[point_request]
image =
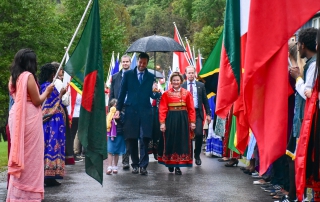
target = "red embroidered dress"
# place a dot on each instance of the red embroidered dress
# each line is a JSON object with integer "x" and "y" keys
{"x": 176, "y": 110}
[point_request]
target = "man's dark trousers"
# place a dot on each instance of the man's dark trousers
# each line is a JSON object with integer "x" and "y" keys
{"x": 198, "y": 134}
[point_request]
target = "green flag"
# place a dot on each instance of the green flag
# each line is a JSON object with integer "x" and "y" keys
{"x": 85, "y": 66}
{"x": 210, "y": 71}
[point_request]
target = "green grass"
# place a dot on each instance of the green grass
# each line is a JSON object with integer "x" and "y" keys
{"x": 3, "y": 156}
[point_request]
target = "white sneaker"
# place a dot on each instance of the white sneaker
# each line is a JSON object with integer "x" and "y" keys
{"x": 109, "y": 170}
{"x": 115, "y": 169}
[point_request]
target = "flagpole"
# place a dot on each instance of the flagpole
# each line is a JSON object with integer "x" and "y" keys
{"x": 181, "y": 42}
{"x": 200, "y": 59}
{"x": 194, "y": 55}
{"x": 72, "y": 39}
{"x": 180, "y": 39}
{"x": 110, "y": 67}
{"x": 190, "y": 58}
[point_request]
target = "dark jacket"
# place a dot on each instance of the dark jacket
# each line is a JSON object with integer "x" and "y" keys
{"x": 202, "y": 98}
{"x": 115, "y": 85}
{"x": 136, "y": 99}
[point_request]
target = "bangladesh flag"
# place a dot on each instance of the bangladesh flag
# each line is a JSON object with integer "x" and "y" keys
{"x": 85, "y": 66}
{"x": 210, "y": 70}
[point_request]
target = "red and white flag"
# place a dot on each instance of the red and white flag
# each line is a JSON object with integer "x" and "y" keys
{"x": 180, "y": 61}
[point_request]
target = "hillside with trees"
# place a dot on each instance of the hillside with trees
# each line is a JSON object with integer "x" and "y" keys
{"x": 47, "y": 26}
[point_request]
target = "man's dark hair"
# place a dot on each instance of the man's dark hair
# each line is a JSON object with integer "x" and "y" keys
{"x": 308, "y": 38}
{"x": 144, "y": 55}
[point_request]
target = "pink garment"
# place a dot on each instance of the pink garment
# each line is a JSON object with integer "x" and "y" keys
{"x": 26, "y": 164}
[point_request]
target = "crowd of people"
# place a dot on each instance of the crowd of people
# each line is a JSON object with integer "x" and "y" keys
{"x": 141, "y": 120}
{"x": 290, "y": 176}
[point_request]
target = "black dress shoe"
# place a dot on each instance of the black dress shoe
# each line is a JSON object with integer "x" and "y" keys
{"x": 143, "y": 171}
{"x": 125, "y": 166}
{"x": 232, "y": 162}
{"x": 198, "y": 161}
{"x": 135, "y": 170}
{"x": 51, "y": 182}
{"x": 178, "y": 171}
{"x": 249, "y": 172}
{"x": 171, "y": 169}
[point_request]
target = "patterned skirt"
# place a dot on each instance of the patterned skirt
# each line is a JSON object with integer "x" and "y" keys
{"x": 54, "y": 150}
{"x": 175, "y": 145}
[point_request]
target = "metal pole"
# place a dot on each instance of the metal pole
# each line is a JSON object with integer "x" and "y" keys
{"x": 72, "y": 39}
{"x": 154, "y": 68}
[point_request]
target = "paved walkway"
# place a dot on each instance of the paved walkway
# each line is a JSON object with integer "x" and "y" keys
{"x": 211, "y": 181}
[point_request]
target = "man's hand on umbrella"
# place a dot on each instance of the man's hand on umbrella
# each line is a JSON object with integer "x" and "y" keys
{"x": 155, "y": 87}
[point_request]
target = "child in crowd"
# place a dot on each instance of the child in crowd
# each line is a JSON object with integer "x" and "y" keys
{"x": 116, "y": 143}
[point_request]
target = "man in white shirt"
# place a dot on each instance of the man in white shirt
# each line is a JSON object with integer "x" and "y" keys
{"x": 307, "y": 49}
{"x": 200, "y": 100}
{"x": 304, "y": 82}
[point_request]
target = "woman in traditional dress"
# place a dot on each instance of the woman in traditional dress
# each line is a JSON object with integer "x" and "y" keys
{"x": 25, "y": 164}
{"x": 177, "y": 120}
{"x": 54, "y": 128}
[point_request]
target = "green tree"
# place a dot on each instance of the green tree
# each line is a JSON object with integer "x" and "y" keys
{"x": 25, "y": 24}
{"x": 208, "y": 12}
{"x": 114, "y": 20}
{"x": 206, "y": 39}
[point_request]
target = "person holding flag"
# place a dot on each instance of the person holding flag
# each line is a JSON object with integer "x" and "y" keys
{"x": 136, "y": 90}
{"x": 53, "y": 127}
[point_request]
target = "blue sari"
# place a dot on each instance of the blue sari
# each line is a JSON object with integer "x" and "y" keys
{"x": 54, "y": 135}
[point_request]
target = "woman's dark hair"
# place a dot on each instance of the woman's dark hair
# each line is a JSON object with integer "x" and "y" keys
{"x": 176, "y": 74}
{"x": 24, "y": 60}
{"x": 308, "y": 38}
{"x": 46, "y": 72}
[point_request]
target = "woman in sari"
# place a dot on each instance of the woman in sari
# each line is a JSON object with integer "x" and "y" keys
{"x": 25, "y": 164}
{"x": 54, "y": 128}
{"x": 177, "y": 119}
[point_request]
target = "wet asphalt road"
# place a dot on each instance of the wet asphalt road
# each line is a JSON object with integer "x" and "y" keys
{"x": 211, "y": 181}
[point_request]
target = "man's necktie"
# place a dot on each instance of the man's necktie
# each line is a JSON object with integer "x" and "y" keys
{"x": 191, "y": 88}
{"x": 140, "y": 77}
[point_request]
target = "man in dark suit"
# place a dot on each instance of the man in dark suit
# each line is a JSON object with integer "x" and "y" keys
{"x": 114, "y": 93}
{"x": 136, "y": 90}
{"x": 200, "y": 99}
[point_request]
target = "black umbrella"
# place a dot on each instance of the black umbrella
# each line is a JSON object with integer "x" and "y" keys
{"x": 155, "y": 43}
